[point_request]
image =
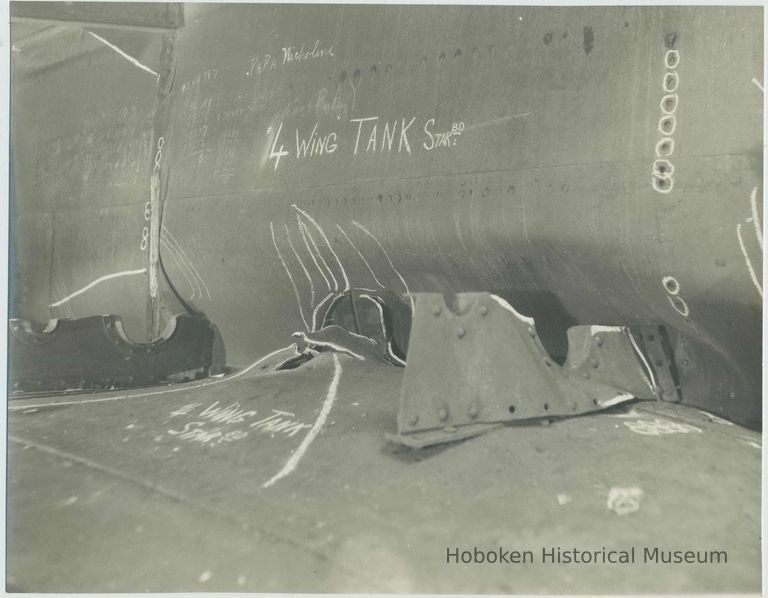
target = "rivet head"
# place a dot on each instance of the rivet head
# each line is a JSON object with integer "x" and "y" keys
{"x": 732, "y": 395}
{"x": 442, "y": 414}
{"x": 594, "y": 363}
{"x": 548, "y": 362}
{"x": 473, "y": 411}
{"x": 483, "y": 310}
{"x": 437, "y": 310}
{"x": 531, "y": 332}
{"x": 586, "y": 374}
{"x": 461, "y": 332}
{"x": 413, "y": 420}
{"x": 685, "y": 362}
{"x": 599, "y": 341}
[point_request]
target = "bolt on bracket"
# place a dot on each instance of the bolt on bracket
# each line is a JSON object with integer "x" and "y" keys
{"x": 481, "y": 364}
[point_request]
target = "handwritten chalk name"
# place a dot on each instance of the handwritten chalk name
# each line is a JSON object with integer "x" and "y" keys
{"x": 261, "y": 64}
{"x": 293, "y": 54}
{"x": 323, "y": 106}
{"x": 371, "y": 134}
{"x": 290, "y": 55}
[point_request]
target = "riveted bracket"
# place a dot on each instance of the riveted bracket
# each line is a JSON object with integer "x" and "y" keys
{"x": 481, "y": 364}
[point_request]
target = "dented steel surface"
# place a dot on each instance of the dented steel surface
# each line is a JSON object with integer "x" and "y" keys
{"x": 474, "y": 362}
{"x": 586, "y": 164}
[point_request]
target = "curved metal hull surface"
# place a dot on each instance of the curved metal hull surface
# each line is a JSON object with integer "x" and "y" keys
{"x": 590, "y": 165}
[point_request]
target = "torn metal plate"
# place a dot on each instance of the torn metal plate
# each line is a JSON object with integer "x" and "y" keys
{"x": 479, "y": 363}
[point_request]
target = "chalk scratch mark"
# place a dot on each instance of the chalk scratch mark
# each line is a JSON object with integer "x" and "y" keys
{"x": 327, "y": 242}
{"x": 525, "y": 228}
{"x": 62, "y": 287}
{"x": 288, "y": 272}
{"x": 183, "y": 268}
{"x": 125, "y": 55}
{"x": 759, "y": 86}
{"x": 457, "y": 226}
{"x": 303, "y": 267}
{"x": 188, "y": 261}
{"x": 370, "y": 234}
{"x": 756, "y": 217}
{"x": 105, "y": 469}
{"x": 752, "y": 274}
{"x": 330, "y": 399}
{"x": 98, "y": 281}
{"x": 362, "y": 257}
{"x": 497, "y": 121}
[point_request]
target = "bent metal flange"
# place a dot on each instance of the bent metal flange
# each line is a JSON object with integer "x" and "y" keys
{"x": 479, "y": 364}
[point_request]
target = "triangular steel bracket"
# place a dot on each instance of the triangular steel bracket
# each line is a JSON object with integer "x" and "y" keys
{"x": 481, "y": 364}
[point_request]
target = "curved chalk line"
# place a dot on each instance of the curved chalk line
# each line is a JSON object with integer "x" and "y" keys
{"x": 752, "y": 274}
{"x": 756, "y": 217}
{"x": 319, "y": 255}
{"x": 370, "y": 234}
{"x": 303, "y": 267}
{"x": 290, "y": 277}
{"x": 327, "y": 242}
{"x": 362, "y": 257}
{"x": 181, "y": 265}
{"x": 330, "y": 399}
{"x": 188, "y": 261}
{"x": 96, "y": 282}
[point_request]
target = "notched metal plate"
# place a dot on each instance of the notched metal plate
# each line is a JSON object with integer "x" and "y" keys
{"x": 479, "y": 362}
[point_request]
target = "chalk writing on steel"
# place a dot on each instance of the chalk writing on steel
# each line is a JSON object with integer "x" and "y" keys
{"x": 213, "y": 424}
{"x": 289, "y": 55}
{"x": 672, "y": 287}
{"x": 368, "y": 135}
{"x": 755, "y": 220}
{"x": 444, "y": 139}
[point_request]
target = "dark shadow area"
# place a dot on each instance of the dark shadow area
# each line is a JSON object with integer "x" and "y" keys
{"x": 552, "y": 319}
